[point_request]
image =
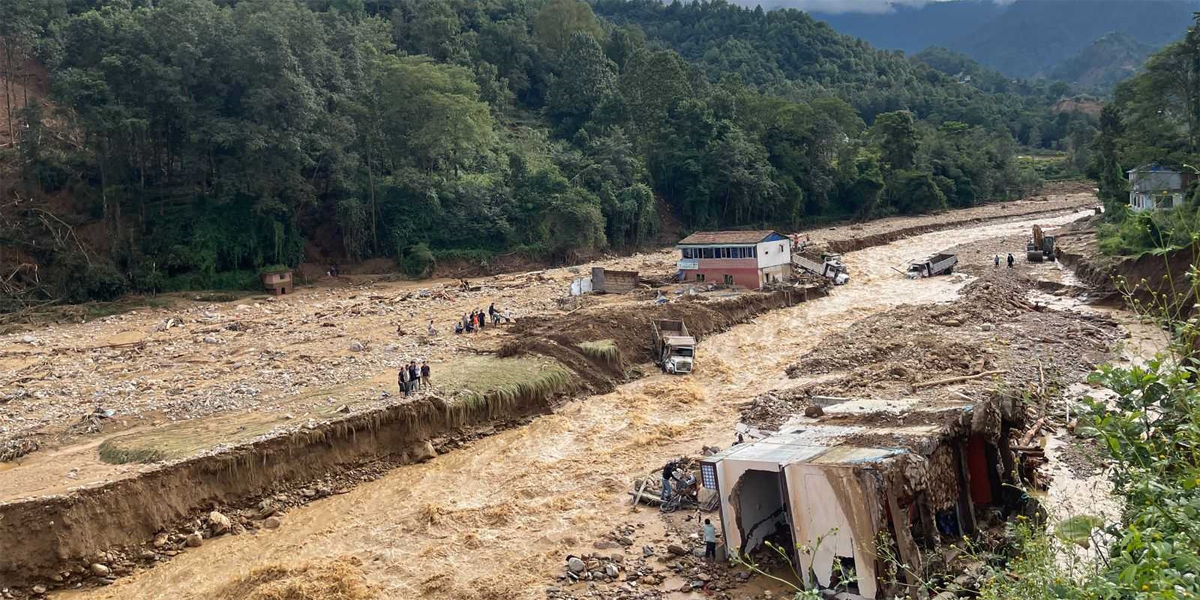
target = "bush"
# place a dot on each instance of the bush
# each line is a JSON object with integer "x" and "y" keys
{"x": 418, "y": 261}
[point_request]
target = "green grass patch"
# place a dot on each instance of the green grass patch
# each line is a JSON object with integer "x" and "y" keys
{"x": 472, "y": 381}
{"x": 601, "y": 350}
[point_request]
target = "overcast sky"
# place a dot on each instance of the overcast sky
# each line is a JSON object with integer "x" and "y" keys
{"x": 838, "y": 6}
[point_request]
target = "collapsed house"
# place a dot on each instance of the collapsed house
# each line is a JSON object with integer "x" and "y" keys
{"x": 830, "y": 490}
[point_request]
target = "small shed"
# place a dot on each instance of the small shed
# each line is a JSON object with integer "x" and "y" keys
{"x": 605, "y": 281}
{"x": 278, "y": 282}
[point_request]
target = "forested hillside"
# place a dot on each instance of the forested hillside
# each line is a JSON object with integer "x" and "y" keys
{"x": 1155, "y": 118}
{"x": 1105, "y": 63}
{"x": 186, "y": 144}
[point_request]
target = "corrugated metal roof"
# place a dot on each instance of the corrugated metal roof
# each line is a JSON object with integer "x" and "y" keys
{"x": 792, "y": 448}
{"x": 704, "y": 238}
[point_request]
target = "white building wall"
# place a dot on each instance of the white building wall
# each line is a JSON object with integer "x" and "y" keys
{"x": 774, "y": 254}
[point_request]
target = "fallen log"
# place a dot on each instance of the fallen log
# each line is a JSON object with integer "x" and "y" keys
{"x": 1028, "y": 437}
{"x": 925, "y": 384}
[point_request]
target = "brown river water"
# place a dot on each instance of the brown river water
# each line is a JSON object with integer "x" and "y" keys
{"x": 496, "y": 519}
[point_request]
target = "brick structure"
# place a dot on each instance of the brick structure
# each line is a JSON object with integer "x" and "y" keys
{"x": 278, "y": 283}
{"x": 748, "y": 259}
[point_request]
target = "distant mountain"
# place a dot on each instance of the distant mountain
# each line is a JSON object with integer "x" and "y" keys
{"x": 1107, "y": 61}
{"x": 913, "y": 29}
{"x": 1030, "y": 38}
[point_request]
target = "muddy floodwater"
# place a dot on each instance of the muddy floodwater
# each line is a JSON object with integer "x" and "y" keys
{"x": 496, "y": 519}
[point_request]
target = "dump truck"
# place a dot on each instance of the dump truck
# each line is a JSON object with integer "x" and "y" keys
{"x": 1040, "y": 247}
{"x": 830, "y": 267}
{"x": 938, "y": 264}
{"x": 674, "y": 347}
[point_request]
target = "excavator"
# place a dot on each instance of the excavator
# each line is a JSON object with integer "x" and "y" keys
{"x": 1040, "y": 247}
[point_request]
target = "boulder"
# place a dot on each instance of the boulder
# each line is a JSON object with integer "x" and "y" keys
{"x": 100, "y": 570}
{"x": 272, "y": 522}
{"x": 220, "y": 523}
{"x": 357, "y": 346}
{"x": 676, "y": 550}
{"x": 576, "y": 565}
{"x": 813, "y": 412}
{"x": 194, "y": 540}
{"x": 611, "y": 570}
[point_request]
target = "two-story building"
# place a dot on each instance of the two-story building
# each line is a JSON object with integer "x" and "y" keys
{"x": 747, "y": 259}
{"x": 1155, "y": 187}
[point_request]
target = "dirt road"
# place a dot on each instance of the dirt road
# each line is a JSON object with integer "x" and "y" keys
{"x": 495, "y": 520}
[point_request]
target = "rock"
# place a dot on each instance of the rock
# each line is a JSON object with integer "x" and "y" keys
{"x": 698, "y": 552}
{"x": 952, "y": 323}
{"x": 987, "y": 327}
{"x": 219, "y": 522}
{"x": 604, "y": 545}
{"x": 266, "y": 508}
{"x": 100, "y": 570}
{"x": 272, "y": 522}
{"x": 705, "y": 577}
{"x": 357, "y": 346}
{"x": 193, "y": 540}
{"x": 576, "y": 565}
{"x": 813, "y": 412}
{"x": 676, "y": 550}
{"x": 424, "y": 451}
{"x": 647, "y": 550}
{"x": 611, "y": 570}
{"x": 28, "y": 339}
{"x": 344, "y": 409}
{"x": 208, "y": 339}
{"x": 39, "y": 589}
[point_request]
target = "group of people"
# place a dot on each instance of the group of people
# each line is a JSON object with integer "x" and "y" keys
{"x": 1011, "y": 260}
{"x": 476, "y": 320}
{"x": 412, "y": 377}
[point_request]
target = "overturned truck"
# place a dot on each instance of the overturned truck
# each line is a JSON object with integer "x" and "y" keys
{"x": 839, "y": 489}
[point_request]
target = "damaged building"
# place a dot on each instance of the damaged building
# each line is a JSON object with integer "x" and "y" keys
{"x": 830, "y": 489}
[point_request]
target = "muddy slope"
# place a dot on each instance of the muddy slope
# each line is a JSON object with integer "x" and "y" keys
{"x": 1157, "y": 281}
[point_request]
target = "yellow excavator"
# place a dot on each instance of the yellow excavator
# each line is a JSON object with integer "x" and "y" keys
{"x": 1040, "y": 247}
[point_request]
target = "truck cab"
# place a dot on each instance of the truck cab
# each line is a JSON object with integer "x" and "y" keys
{"x": 674, "y": 347}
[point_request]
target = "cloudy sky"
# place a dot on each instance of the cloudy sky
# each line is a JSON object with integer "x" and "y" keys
{"x": 838, "y": 6}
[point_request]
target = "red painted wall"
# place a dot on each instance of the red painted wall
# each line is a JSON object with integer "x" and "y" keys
{"x": 977, "y": 463}
{"x": 747, "y": 278}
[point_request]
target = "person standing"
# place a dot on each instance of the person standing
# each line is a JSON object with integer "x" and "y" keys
{"x": 1011, "y": 260}
{"x": 997, "y": 261}
{"x": 668, "y": 470}
{"x": 710, "y": 540}
{"x": 425, "y": 373}
{"x": 402, "y": 380}
{"x": 414, "y": 376}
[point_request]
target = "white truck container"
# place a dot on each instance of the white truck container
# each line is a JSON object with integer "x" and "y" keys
{"x": 938, "y": 264}
{"x": 674, "y": 347}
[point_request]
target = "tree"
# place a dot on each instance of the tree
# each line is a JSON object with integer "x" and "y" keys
{"x": 580, "y": 89}
{"x": 897, "y": 138}
{"x": 559, "y": 20}
{"x": 432, "y": 113}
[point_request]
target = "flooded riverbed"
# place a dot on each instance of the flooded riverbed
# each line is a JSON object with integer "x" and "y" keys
{"x": 496, "y": 519}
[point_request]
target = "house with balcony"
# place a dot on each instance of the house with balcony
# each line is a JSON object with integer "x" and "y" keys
{"x": 1155, "y": 187}
{"x": 748, "y": 259}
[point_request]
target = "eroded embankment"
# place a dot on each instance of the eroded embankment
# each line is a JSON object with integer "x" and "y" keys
{"x": 1155, "y": 281}
{"x": 855, "y": 244}
{"x": 52, "y": 539}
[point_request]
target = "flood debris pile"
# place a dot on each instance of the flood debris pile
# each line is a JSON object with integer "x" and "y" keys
{"x": 993, "y": 330}
{"x": 905, "y": 432}
{"x": 629, "y": 565}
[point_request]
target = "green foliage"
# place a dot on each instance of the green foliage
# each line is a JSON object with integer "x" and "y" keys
{"x": 216, "y": 137}
{"x": 418, "y": 261}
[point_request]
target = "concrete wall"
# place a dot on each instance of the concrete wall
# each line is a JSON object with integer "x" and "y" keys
{"x": 744, "y": 277}
{"x": 1139, "y": 201}
{"x": 833, "y": 516}
{"x": 773, "y": 254}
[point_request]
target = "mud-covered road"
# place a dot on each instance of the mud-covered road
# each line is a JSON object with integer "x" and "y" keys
{"x": 496, "y": 519}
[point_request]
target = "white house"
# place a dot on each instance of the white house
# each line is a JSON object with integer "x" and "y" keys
{"x": 1155, "y": 187}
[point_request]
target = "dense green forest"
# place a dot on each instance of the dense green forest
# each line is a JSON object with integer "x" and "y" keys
{"x": 199, "y": 140}
{"x": 1154, "y": 118}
